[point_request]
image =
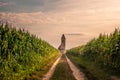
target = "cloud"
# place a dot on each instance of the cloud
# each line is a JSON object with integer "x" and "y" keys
{"x": 32, "y": 18}
{"x": 51, "y": 18}
{"x": 4, "y": 4}
{"x": 21, "y": 6}
{"x": 80, "y": 18}
{"x": 75, "y": 34}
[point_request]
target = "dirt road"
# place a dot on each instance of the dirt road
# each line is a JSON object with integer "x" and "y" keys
{"x": 58, "y": 74}
{"x": 51, "y": 71}
{"x": 76, "y": 72}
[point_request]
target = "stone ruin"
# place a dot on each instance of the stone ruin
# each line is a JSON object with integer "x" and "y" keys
{"x": 63, "y": 44}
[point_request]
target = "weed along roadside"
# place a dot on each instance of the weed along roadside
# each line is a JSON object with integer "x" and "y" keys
{"x": 81, "y": 67}
{"x": 92, "y": 70}
{"x": 46, "y": 72}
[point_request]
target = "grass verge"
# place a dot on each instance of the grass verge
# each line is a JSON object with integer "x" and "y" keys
{"x": 92, "y": 70}
{"x": 39, "y": 74}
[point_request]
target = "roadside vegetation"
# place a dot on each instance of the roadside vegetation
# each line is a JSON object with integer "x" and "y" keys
{"x": 22, "y": 53}
{"x": 100, "y": 56}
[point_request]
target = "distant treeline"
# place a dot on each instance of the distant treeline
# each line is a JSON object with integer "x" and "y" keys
{"x": 104, "y": 50}
{"x": 22, "y": 53}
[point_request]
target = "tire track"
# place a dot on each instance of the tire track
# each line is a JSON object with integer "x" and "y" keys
{"x": 51, "y": 71}
{"x": 76, "y": 72}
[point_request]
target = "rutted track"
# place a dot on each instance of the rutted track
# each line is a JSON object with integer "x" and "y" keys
{"x": 76, "y": 72}
{"x": 57, "y": 74}
{"x": 51, "y": 71}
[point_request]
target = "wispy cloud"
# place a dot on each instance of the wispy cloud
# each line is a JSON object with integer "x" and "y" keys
{"x": 31, "y": 18}
{"x": 3, "y": 4}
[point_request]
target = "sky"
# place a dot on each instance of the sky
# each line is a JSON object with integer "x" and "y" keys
{"x": 79, "y": 20}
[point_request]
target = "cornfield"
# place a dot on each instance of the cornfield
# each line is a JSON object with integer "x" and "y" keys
{"x": 104, "y": 50}
{"x": 22, "y": 53}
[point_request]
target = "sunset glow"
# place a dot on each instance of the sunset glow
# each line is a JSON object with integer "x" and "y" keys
{"x": 49, "y": 19}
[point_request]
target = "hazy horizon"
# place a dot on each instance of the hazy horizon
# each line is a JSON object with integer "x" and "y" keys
{"x": 79, "y": 20}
